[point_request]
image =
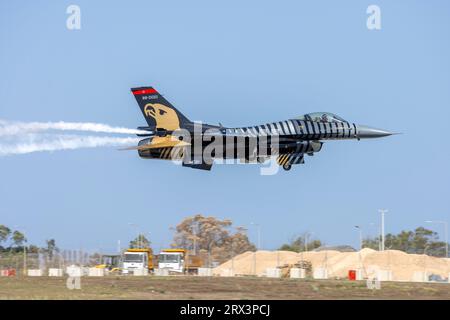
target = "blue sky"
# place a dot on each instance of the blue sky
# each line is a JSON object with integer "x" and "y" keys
{"x": 238, "y": 63}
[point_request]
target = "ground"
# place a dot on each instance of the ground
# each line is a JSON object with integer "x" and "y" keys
{"x": 180, "y": 287}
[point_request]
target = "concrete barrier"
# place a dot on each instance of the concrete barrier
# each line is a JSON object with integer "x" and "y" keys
{"x": 140, "y": 272}
{"x": 74, "y": 271}
{"x": 384, "y": 275}
{"x": 164, "y": 272}
{"x": 320, "y": 273}
{"x": 96, "y": 272}
{"x": 420, "y": 276}
{"x": 55, "y": 272}
{"x": 297, "y": 273}
{"x": 226, "y": 272}
{"x": 273, "y": 273}
{"x": 35, "y": 273}
{"x": 359, "y": 274}
{"x": 205, "y": 272}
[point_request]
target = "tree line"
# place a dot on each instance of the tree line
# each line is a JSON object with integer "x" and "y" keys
{"x": 417, "y": 241}
{"x": 219, "y": 240}
{"x": 215, "y": 239}
{"x": 301, "y": 243}
{"x": 14, "y": 241}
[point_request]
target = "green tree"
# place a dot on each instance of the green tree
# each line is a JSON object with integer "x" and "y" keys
{"x": 372, "y": 243}
{"x": 299, "y": 244}
{"x": 5, "y": 232}
{"x": 415, "y": 241}
{"x": 51, "y": 248}
{"x": 140, "y": 242}
{"x": 33, "y": 249}
{"x": 18, "y": 238}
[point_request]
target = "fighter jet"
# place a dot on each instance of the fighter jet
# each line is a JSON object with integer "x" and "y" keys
{"x": 170, "y": 135}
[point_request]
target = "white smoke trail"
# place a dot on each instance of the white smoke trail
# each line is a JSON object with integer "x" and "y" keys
{"x": 9, "y": 128}
{"x": 35, "y": 143}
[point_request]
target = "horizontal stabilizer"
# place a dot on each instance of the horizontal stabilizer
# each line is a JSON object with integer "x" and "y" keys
{"x": 200, "y": 166}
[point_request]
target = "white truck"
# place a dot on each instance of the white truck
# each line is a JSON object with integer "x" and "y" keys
{"x": 178, "y": 261}
{"x": 137, "y": 259}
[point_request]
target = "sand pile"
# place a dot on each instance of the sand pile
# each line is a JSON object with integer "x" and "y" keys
{"x": 337, "y": 263}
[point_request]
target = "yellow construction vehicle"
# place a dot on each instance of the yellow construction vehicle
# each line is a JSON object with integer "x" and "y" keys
{"x": 110, "y": 262}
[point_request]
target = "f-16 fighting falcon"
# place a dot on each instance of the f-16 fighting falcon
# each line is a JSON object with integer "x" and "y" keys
{"x": 171, "y": 136}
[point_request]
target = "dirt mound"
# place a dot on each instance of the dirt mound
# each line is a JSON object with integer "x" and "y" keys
{"x": 337, "y": 263}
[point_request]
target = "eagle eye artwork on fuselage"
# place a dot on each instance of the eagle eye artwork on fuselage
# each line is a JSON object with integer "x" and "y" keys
{"x": 288, "y": 140}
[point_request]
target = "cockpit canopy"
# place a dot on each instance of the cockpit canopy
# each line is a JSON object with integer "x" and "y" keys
{"x": 321, "y": 117}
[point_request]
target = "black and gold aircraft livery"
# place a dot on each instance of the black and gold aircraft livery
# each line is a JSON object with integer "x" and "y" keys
{"x": 293, "y": 138}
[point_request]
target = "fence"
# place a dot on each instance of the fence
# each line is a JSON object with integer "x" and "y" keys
{"x": 43, "y": 260}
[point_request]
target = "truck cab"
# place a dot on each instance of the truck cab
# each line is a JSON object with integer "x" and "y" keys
{"x": 137, "y": 259}
{"x": 179, "y": 261}
{"x": 173, "y": 261}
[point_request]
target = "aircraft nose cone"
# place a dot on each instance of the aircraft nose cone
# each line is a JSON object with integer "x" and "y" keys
{"x": 364, "y": 132}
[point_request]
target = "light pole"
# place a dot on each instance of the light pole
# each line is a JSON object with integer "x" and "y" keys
{"x": 149, "y": 242}
{"x": 445, "y": 233}
{"x": 360, "y": 237}
{"x": 306, "y": 242}
{"x": 382, "y": 212}
{"x": 307, "y": 235}
{"x": 24, "y": 259}
{"x": 24, "y": 251}
{"x": 259, "y": 245}
{"x": 369, "y": 233}
{"x": 232, "y": 258}
{"x": 258, "y": 226}
{"x": 194, "y": 241}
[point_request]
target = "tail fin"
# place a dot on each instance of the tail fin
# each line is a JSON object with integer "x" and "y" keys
{"x": 157, "y": 111}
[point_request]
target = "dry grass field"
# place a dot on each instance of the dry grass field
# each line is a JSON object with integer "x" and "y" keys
{"x": 191, "y": 287}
